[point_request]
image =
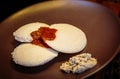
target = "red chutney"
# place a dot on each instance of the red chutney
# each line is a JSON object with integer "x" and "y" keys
{"x": 42, "y": 34}
{"x": 48, "y": 34}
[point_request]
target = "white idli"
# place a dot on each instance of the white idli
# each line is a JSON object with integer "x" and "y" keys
{"x": 23, "y": 34}
{"x": 32, "y": 55}
{"x": 69, "y": 39}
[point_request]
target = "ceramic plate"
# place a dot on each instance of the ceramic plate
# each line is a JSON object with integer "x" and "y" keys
{"x": 99, "y": 24}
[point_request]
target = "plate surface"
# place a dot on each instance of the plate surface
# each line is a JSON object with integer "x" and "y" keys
{"x": 99, "y": 24}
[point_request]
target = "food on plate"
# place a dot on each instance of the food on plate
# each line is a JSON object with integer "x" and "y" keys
{"x": 45, "y": 33}
{"x": 28, "y": 54}
{"x": 69, "y": 39}
{"x": 79, "y": 63}
{"x": 22, "y": 34}
{"x": 44, "y": 43}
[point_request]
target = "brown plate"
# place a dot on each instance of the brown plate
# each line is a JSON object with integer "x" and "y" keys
{"x": 99, "y": 24}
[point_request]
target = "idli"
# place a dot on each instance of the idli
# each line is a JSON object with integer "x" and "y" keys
{"x": 28, "y": 54}
{"x": 23, "y": 34}
{"x": 69, "y": 39}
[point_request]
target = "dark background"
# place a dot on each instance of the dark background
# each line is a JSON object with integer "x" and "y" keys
{"x": 8, "y": 7}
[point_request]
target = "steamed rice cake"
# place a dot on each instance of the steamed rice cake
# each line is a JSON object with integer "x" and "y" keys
{"x": 69, "y": 39}
{"x": 22, "y": 34}
{"x": 28, "y": 54}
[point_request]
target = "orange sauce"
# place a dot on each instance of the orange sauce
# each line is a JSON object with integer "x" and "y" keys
{"x": 42, "y": 34}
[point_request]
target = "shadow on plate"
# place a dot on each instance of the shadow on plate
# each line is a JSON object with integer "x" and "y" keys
{"x": 37, "y": 69}
{"x": 30, "y": 70}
